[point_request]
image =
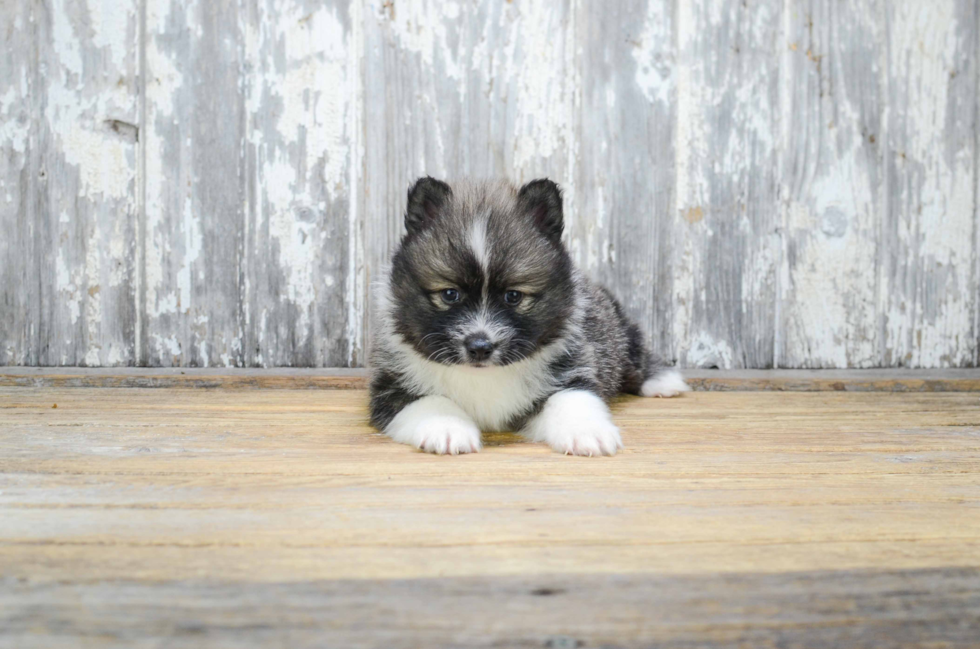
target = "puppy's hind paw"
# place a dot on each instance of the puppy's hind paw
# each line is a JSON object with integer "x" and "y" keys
{"x": 665, "y": 384}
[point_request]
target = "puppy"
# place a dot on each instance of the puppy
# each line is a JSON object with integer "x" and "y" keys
{"x": 484, "y": 324}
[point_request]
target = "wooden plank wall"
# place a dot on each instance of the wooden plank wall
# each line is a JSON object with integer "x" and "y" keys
{"x": 767, "y": 183}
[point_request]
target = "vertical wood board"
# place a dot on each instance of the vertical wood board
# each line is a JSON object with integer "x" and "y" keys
{"x": 831, "y": 181}
{"x": 625, "y": 190}
{"x": 195, "y": 127}
{"x": 85, "y": 171}
{"x": 726, "y": 244}
{"x": 928, "y": 297}
{"x": 300, "y": 110}
{"x": 18, "y": 283}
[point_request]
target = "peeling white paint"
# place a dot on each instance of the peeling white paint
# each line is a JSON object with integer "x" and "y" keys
{"x": 67, "y": 287}
{"x": 164, "y": 83}
{"x": 193, "y": 243}
{"x": 65, "y": 42}
{"x": 117, "y": 355}
{"x": 14, "y": 132}
{"x": 705, "y": 351}
{"x": 831, "y": 315}
{"x": 110, "y": 25}
{"x": 356, "y": 272}
{"x": 168, "y": 345}
{"x": 725, "y": 185}
{"x": 299, "y": 92}
{"x": 76, "y": 114}
{"x": 498, "y": 88}
{"x": 654, "y": 67}
{"x": 420, "y": 26}
{"x": 927, "y": 322}
{"x": 544, "y": 122}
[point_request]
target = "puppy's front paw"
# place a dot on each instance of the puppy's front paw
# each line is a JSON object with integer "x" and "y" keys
{"x": 436, "y": 425}
{"x": 665, "y": 384}
{"x": 585, "y": 437}
{"x": 576, "y": 422}
{"x": 442, "y": 435}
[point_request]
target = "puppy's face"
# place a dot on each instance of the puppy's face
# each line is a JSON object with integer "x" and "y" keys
{"x": 481, "y": 277}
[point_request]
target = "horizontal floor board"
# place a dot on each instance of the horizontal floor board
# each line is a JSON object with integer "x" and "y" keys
{"x": 885, "y": 380}
{"x": 278, "y": 517}
{"x": 821, "y": 609}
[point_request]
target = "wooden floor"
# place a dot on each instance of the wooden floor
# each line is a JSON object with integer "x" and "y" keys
{"x": 277, "y": 518}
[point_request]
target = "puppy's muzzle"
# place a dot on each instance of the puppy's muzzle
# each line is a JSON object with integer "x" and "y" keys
{"x": 478, "y": 348}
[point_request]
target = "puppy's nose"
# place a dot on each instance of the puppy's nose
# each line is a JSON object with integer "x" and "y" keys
{"x": 478, "y": 347}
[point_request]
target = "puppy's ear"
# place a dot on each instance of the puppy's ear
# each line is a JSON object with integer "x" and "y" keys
{"x": 426, "y": 197}
{"x": 542, "y": 200}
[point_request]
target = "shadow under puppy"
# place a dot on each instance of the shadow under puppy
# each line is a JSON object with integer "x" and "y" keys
{"x": 484, "y": 324}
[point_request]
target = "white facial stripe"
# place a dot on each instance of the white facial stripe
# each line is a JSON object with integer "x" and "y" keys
{"x": 481, "y": 250}
{"x": 479, "y": 244}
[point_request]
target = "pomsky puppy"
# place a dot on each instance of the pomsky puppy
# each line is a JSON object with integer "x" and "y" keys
{"x": 484, "y": 324}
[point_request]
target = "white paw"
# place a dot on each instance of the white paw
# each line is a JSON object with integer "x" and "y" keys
{"x": 665, "y": 384}
{"x": 435, "y": 425}
{"x": 576, "y": 422}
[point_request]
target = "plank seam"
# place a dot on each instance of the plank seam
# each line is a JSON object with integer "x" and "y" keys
{"x": 976, "y": 190}
{"x": 245, "y": 69}
{"x": 140, "y": 352}
{"x": 356, "y": 326}
{"x": 883, "y": 203}
{"x": 890, "y": 380}
{"x": 782, "y": 199}
{"x": 33, "y": 356}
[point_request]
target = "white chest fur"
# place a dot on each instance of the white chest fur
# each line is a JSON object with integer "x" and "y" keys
{"x": 492, "y": 396}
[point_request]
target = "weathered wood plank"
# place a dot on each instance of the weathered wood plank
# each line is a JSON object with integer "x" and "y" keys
{"x": 817, "y": 209}
{"x": 295, "y": 485}
{"x": 171, "y": 377}
{"x": 86, "y": 202}
{"x": 832, "y": 609}
{"x": 726, "y": 250}
{"x": 463, "y": 90}
{"x": 901, "y": 380}
{"x": 830, "y": 176}
{"x": 976, "y": 208}
{"x": 927, "y": 241}
{"x": 625, "y": 174}
{"x": 302, "y": 114}
{"x": 18, "y": 282}
{"x": 195, "y": 179}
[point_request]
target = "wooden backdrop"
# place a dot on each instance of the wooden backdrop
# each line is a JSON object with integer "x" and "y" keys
{"x": 764, "y": 183}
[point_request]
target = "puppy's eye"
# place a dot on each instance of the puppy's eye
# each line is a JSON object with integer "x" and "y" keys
{"x": 513, "y": 298}
{"x": 450, "y": 295}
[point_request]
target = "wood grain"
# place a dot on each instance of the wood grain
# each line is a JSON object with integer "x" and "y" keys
{"x": 18, "y": 188}
{"x": 926, "y": 295}
{"x": 350, "y": 379}
{"x": 831, "y": 174}
{"x": 301, "y": 114}
{"x": 85, "y": 101}
{"x": 726, "y": 243}
{"x": 625, "y": 193}
{"x": 134, "y": 517}
{"x": 194, "y": 141}
{"x": 825, "y": 610}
